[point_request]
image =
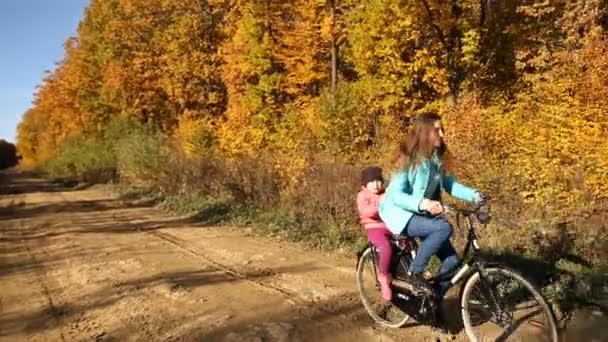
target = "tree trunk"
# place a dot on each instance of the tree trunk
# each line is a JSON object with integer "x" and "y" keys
{"x": 334, "y": 48}
{"x": 454, "y": 49}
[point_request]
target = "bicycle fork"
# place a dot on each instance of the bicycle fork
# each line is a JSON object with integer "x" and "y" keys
{"x": 486, "y": 288}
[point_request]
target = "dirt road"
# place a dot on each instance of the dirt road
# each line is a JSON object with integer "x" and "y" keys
{"x": 82, "y": 265}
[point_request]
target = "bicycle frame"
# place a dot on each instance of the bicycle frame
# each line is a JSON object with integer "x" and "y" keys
{"x": 402, "y": 252}
{"x": 476, "y": 265}
{"x": 463, "y": 268}
{"x": 472, "y": 245}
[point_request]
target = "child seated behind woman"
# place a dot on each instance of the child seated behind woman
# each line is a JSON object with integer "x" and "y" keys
{"x": 368, "y": 201}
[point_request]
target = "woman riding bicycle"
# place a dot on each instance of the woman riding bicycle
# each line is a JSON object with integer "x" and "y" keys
{"x": 496, "y": 302}
{"x": 413, "y": 197}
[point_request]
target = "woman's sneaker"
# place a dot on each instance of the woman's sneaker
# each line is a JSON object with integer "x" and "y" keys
{"x": 385, "y": 287}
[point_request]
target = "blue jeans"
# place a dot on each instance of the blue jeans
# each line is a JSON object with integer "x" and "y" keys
{"x": 435, "y": 234}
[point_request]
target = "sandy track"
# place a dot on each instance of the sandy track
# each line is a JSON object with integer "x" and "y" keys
{"x": 83, "y": 265}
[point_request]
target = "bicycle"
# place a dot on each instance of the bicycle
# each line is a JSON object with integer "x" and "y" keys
{"x": 486, "y": 286}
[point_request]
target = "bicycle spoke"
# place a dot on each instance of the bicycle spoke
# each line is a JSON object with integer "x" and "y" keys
{"x": 384, "y": 312}
{"x": 480, "y": 311}
{"x": 504, "y": 307}
{"x": 512, "y": 327}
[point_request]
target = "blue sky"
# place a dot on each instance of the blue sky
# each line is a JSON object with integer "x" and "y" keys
{"x": 32, "y": 33}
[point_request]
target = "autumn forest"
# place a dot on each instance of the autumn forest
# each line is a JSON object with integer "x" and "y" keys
{"x": 278, "y": 104}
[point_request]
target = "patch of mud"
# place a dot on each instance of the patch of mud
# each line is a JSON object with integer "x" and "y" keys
{"x": 588, "y": 325}
{"x": 255, "y": 257}
{"x": 271, "y": 332}
{"x": 85, "y": 328}
{"x": 172, "y": 291}
{"x": 307, "y": 289}
{"x": 85, "y": 274}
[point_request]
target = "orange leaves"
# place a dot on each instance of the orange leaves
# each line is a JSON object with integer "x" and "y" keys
{"x": 249, "y": 76}
{"x": 307, "y": 23}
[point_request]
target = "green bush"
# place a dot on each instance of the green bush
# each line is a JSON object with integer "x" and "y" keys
{"x": 125, "y": 147}
{"x": 141, "y": 157}
{"x": 83, "y": 158}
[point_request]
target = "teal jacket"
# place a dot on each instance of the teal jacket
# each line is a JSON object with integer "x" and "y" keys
{"x": 406, "y": 190}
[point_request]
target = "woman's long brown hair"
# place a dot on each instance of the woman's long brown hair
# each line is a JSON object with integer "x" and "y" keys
{"x": 416, "y": 145}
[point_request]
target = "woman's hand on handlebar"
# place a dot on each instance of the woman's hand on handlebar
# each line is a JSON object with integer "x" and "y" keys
{"x": 481, "y": 199}
{"x": 433, "y": 207}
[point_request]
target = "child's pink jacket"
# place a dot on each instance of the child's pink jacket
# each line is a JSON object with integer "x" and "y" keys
{"x": 367, "y": 203}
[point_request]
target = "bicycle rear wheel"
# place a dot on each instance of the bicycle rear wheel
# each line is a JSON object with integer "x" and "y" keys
{"x": 504, "y": 306}
{"x": 385, "y": 313}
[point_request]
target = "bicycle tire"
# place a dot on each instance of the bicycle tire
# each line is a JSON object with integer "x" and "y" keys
{"x": 466, "y": 301}
{"x": 365, "y": 260}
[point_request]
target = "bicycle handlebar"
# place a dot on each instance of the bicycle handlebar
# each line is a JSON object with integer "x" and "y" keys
{"x": 483, "y": 217}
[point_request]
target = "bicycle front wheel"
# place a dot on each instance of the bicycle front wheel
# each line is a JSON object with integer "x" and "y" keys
{"x": 385, "y": 313}
{"x": 502, "y": 305}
